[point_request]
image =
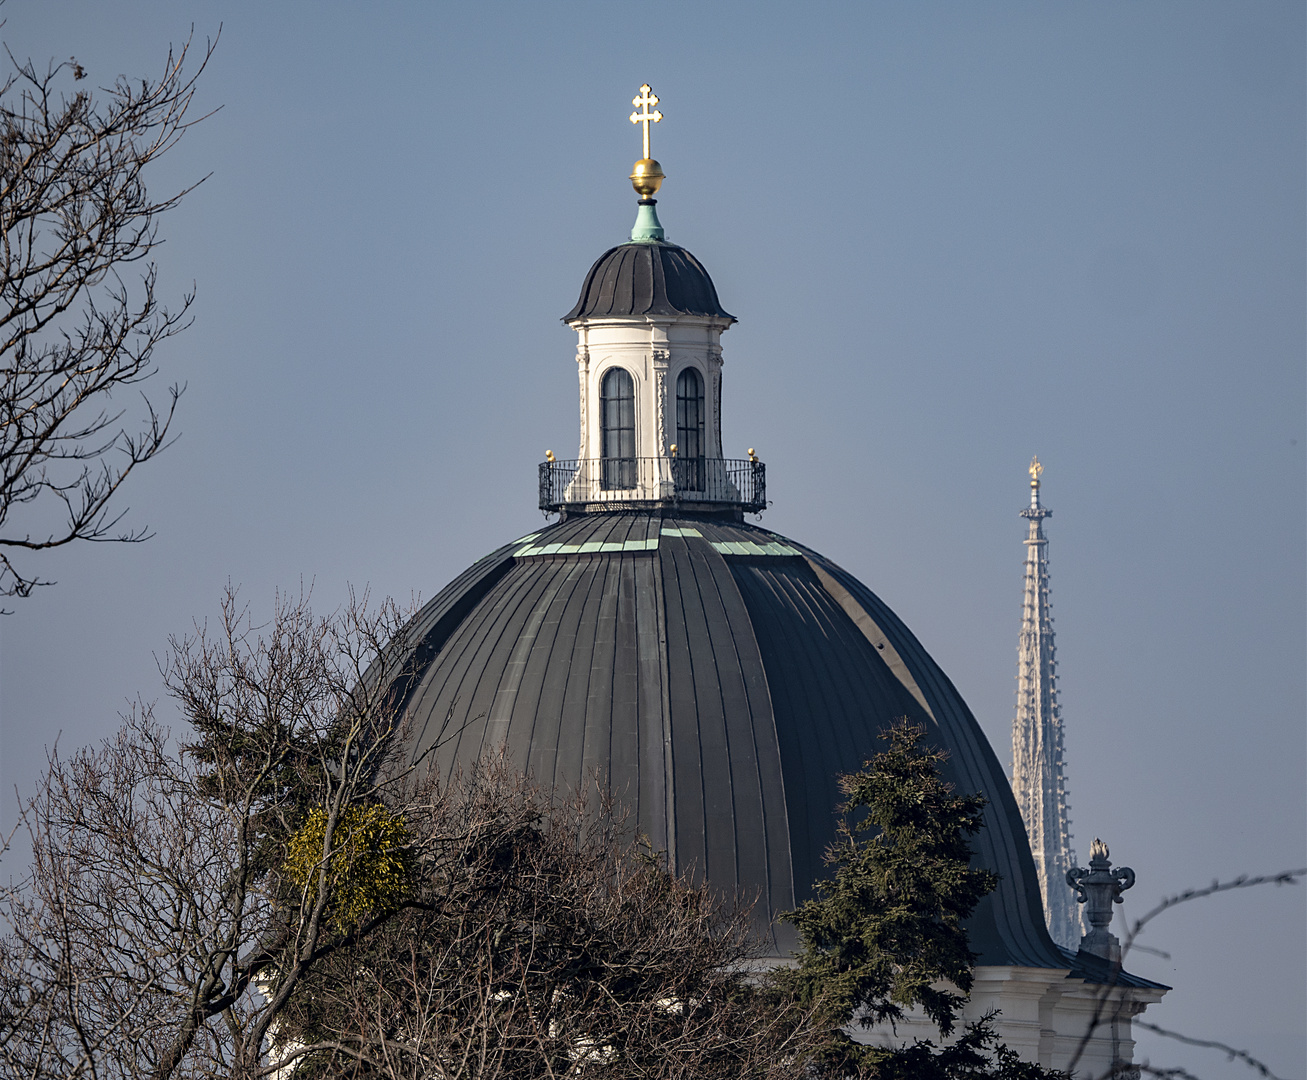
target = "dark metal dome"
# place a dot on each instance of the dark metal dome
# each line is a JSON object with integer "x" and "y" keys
{"x": 647, "y": 278}
{"x": 718, "y": 677}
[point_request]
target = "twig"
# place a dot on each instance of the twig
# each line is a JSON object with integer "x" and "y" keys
{"x": 1230, "y": 1052}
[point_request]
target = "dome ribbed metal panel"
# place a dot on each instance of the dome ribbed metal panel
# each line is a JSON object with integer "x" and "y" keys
{"x": 718, "y": 678}
{"x": 647, "y": 279}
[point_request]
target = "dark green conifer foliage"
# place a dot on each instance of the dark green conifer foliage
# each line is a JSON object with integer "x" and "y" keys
{"x": 888, "y": 925}
{"x": 976, "y": 1055}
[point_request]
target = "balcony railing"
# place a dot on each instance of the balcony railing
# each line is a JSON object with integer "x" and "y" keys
{"x": 601, "y": 483}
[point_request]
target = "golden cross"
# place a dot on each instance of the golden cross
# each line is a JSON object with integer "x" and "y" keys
{"x": 645, "y": 101}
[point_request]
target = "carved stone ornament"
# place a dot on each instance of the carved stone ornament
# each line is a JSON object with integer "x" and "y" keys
{"x": 584, "y": 373}
{"x": 660, "y": 395}
{"x": 717, "y": 407}
{"x": 1098, "y": 888}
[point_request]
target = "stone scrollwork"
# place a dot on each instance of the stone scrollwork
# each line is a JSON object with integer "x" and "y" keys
{"x": 661, "y": 359}
{"x": 717, "y": 407}
{"x": 585, "y": 394}
{"x": 660, "y": 407}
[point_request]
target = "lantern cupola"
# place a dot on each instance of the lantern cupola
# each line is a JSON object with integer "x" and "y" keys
{"x": 649, "y": 366}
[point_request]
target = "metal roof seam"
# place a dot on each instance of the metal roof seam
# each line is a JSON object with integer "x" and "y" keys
{"x": 697, "y": 559}
{"x": 546, "y": 667}
{"x": 745, "y": 626}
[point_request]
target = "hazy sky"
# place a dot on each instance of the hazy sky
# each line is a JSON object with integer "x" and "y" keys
{"x": 955, "y": 235}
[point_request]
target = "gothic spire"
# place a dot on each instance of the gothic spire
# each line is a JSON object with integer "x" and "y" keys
{"x": 1038, "y": 768}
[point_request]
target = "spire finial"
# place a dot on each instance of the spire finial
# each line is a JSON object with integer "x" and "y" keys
{"x": 1035, "y": 470}
{"x": 647, "y": 176}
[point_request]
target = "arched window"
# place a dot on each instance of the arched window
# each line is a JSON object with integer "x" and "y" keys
{"x": 617, "y": 429}
{"x": 690, "y": 441}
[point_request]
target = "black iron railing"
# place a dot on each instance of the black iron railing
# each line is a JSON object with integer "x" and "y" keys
{"x": 601, "y": 482}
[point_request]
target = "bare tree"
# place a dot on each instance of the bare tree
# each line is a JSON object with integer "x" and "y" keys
{"x": 155, "y": 933}
{"x": 281, "y": 891}
{"x": 75, "y": 216}
{"x": 543, "y": 941}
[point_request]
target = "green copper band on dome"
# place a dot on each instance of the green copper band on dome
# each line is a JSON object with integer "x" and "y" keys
{"x": 647, "y": 226}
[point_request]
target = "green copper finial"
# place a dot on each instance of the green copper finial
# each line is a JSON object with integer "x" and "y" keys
{"x": 647, "y": 226}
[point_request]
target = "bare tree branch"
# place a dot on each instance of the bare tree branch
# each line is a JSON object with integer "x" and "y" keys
{"x": 1243, "y": 881}
{"x": 1230, "y": 1052}
{"x": 75, "y": 215}
{"x": 1173, "y": 1073}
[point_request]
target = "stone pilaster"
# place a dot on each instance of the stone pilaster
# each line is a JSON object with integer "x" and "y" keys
{"x": 583, "y": 373}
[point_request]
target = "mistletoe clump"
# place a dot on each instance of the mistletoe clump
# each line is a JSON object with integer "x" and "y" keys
{"x": 367, "y": 861}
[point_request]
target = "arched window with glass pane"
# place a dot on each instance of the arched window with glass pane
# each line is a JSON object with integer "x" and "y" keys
{"x": 690, "y": 442}
{"x": 617, "y": 429}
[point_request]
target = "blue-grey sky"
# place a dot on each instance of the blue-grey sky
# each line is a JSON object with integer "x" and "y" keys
{"x": 955, "y": 235}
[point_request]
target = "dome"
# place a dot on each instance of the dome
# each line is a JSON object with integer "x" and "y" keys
{"x": 647, "y": 278}
{"x": 717, "y": 677}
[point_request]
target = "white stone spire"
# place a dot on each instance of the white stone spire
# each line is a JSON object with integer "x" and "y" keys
{"x": 1038, "y": 768}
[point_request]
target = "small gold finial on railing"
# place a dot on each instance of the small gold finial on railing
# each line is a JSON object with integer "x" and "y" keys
{"x": 647, "y": 176}
{"x": 1035, "y": 470}
{"x": 549, "y": 455}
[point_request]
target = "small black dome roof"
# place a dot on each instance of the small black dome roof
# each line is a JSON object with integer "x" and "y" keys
{"x": 719, "y": 677}
{"x": 647, "y": 278}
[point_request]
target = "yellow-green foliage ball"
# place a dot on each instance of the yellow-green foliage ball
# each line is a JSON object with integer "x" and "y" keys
{"x": 369, "y": 866}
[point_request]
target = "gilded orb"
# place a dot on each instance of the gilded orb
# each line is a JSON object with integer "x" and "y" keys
{"x": 646, "y": 177}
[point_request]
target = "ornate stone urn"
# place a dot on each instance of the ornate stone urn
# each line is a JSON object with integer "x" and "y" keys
{"x": 1098, "y": 888}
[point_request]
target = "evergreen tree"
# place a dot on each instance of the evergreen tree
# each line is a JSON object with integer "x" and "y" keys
{"x": 886, "y": 932}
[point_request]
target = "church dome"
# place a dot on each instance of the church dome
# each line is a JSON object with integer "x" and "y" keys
{"x": 717, "y": 677}
{"x": 647, "y": 278}
{"x": 714, "y": 677}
